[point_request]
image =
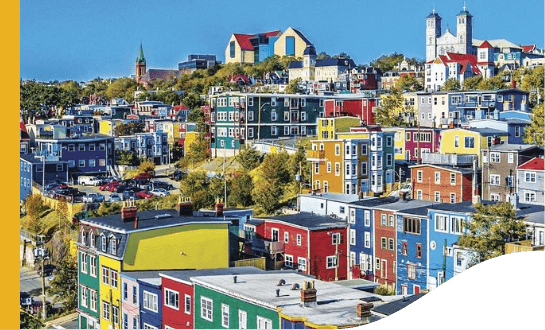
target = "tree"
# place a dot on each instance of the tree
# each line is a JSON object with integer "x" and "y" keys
{"x": 146, "y": 166}
{"x": 249, "y": 158}
{"x": 322, "y": 56}
{"x": 293, "y": 86}
{"x": 129, "y": 129}
{"x": 64, "y": 287}
{"x": 342, "y": 55}
{"x": 240, "y": 192}
{"x": 27, "y": 321}
{"x": 196, "y": 185}
{"x": 392, "y": 111}
{"x": 123, "y": 157}
{"x": 532, "y": 82}
{"x": 533, "y": 134}
{"x": 472, "y": 83}
{"x": 408, "y": 82}
{"x": 197, "y": 152}
{"x": 269, "y": 186}
{"x": 34, "y": 207}
{"x": 122, "y": 88}
{"x": 387, "y": 62}
{"x": 452, "y": 84}
{"x": 490, "y": 228}
{"x": 493, "y": 83}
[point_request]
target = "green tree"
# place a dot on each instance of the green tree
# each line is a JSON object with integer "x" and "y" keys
{"x": 123, "y": 157}
{"x": 387, "y": 62}
{"x": 129, "y": 129}
{"x": 64, "y": 287}
{"x": 293, "y": 86}
{"x": 270, "y": 184}
{"x": 322, "y": 56}
{"x": 490, "y": 228}
{"x": 267, "y": 195}
{"x": 408, "y": 82}
{"x": 197, "y": 186}
{"x": 472, "y": 83}
{"x": 122, "y": 88}
{"x": 240, "y": 192}
{"x": 28, "y": 321}
{"x": 452, "y": 84}
{"x": 532, "y": 82}
{"x": 249, "y": 158}
{"x": 392, "y": 111}
{"x": 146, "y": 166}
{"x": 493, "y": 83}
{"x": 533, "y": 134}
{"x": 197, "y": 152}
{"x": 34, "y": 207}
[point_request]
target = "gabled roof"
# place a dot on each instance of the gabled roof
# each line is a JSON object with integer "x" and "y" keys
{"x": 486, "y": 44}
{"x": 445, "y": 167}
{"x": 244, "y": 41}
{"x": 302, "y": 36}
{"x": 536, "y": 164}
{"x": 272, "y": 33}
{"x": 309, "y": 221}
{"x": 528, "y": 48}
{"x": 335, "y": 62}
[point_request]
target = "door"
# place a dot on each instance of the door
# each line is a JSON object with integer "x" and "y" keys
{"x": 275, "y": 235}
{"x": 383, "y": 269}
{"x": 404, "y": 290}
{"x": 416, "y": 289}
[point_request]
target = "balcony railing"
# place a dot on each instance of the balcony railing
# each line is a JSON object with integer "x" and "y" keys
{"x": 315, "y": 155}
{"x": 266, "y": 246}
{"x": 447, "y": 159}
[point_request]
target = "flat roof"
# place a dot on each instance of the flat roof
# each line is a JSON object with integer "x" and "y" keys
{"x": 336, "y": 197}
{"x": 397, "y": 305}
{"x": 310, "y": 220}
{"x": 148, "y": 220}
{"x": 373, "y": 202}
{"x": 512, "y": 147}
{"x": 336, "y": 304}
{"x": 401, "y": 205}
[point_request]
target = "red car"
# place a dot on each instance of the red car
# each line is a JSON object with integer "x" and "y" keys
{"x": 144, "y": 194}
{"x": 143, "y": 176}
{"x": 108, "y": 185}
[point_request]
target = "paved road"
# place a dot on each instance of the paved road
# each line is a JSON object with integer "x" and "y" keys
{"x": 71, "y": 324}
{"x": 31, "y": 282}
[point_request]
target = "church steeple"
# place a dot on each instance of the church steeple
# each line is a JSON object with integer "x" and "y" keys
{"x": 140, "y": 64}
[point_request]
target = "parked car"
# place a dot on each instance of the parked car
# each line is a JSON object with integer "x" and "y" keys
{"x": 143, "y": 176}
{"x": 161, "y": 184}
{"x": 93, "y": 198}
{"x": 108, "y": 185}
{"x": 89, "y": 181}
{"x": 25, "y": 300}
{"x": 144, "y": 194}
{"x": 177, "y": 175}
{"x": 129, "y": 194}
{"x": 160, "y": 192}
{"x": 48, "y": 270}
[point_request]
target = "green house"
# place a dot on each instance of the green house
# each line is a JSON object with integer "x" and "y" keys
{"x": 88, "y": 289}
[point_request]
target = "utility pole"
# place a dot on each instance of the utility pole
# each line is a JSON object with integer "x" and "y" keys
{"x": 42, "y": 259}
{"x": 444, "y": 260}
{"x": 259, "y": 118}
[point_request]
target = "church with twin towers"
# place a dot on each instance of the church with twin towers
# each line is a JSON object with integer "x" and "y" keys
{"x": 438, "y": 43}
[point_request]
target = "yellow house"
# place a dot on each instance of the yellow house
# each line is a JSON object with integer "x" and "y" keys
{"x": 190, "y": 138}
{"x": 291, "y": 42}
{"x": 411, "y": 100}
{"x": 106, "y": 127}
{"x": 329, "y": 127}
{"x": 471, "y": 141}
{"x": 239, "y": 49}
{"x": 149, "y": 240}
{"x": 399, "y": 141}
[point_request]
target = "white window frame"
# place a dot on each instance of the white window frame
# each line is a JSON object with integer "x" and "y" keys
{"x": 150, "y": 305}
{"x": 286, "y": 237}
{"x": 495, "y": 179}
{"x": 288, "y": 260}
{"x": 298, "y": 239}
{"x": 335, "y": 238}
{"x": 367, "y": 218}
{"x": 106, "y": 310}
{"x": 242, "y": 319}
{"x": 264, "y": 323}
{"x": 441, "y": 223}
{"x": 114, "y": 278}
{"x": 437, "y": 177}
{"x": 225, "y": 315}
{"x": 452, "y": 198}
{"x": 352, "y": 236}
{"x": 302, "y": 264}
{"x": 331, "y": 260}
{"x": 510, "y": 158}
{"x": 453, "y": 176}
{"x": 205, "y": 309}
{"x": 83, "y": 259}
{"x": 495, "y": 157}
{"x": 172, "y": 304}
{"x": 457, "y": 225}
{"x": 93, "y": 300}
{"x": 105, "y": 275}
{"x": 84, "y": 296}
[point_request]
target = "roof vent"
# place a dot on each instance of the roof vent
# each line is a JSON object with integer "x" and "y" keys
{"x": 162, "y": 216}
{"x": 278, "y": 292}
{"x": 281, "y": 282}
{"x": 234, "y": 279}
{"x": 295, "y": 286}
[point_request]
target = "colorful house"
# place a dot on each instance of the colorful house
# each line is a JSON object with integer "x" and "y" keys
{"x": 361, "y": 107}
{"x": 148, "y": 240}
{"x": 274, "y": 301}
{"x": 442, "y": 183}
{"x": 411, "y": 142}
{"x": 251, "y": 48}
{"x": 530, "y": 178}
{"x": 300, "y": 241}
{"x": 130, "y": 306}
{"x": 329, "y": 127}
{"x": 291, "y": 43}
{"x": 470, "y": 141}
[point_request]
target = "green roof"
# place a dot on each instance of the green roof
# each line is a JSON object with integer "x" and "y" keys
{"x": 140, "y": 58}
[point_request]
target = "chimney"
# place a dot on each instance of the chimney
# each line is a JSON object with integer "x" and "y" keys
{"x": 363, "y": 311}
{"x": 513, "y": 84}
{"x": 184, "y": 206}
{"x": 128, "y": 211}
{"x": 308, "y": 294}
{"x": 219, "y": 209}
{"x": 234, "y": 279}
{"x": 136, "y": 223}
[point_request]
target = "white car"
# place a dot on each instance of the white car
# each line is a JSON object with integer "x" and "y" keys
{"x": 160, "y": 192}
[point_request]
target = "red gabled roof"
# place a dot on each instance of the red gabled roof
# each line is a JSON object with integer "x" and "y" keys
{"x": 465, "y": 60}
{"x": 180, "y": 107}
{"x": 529, "y": 48}
{"x": 533, "y": 164}
{"x": 272, "y": 33}
{"x": 486, "y": 44}
{"x": 240, "y": 76}
{"x": 244, "y": 41}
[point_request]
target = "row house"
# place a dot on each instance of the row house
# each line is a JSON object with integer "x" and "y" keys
{"x": 152, "y": 108}
{"x": 85, "y": 155}
{"x": 33, "y": 171}
{"x": 499, "y": 169}
{"x": 283, "y": 301}
{"x": 470, "y": 141}
{"x": 443, "y": 183}
{"x": 134, "y": 241}
{"x": 424, "y": 236}
{"x": 42, "y": 130}
{"x": 389, "y": 79}
{"x": 362, "y": 108}
{"x": 513, "y": 127}
{"x": 153, "y": 145}
{"x": 358, "y": 162}
{"x": 530, "y": 178}
{"x": 77, "y": 125}
{"x": 364, "y": 78}
{"x": 411, "y": 142}
{"x": 178, "y": 113}
{"x": 302, "y": 241}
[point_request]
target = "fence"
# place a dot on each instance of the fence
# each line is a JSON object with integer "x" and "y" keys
{"x": 260, "y": 263}
{"x": 52, "y": 203}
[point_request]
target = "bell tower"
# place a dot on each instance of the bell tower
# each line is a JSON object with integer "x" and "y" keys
{"x": 433, "y": 31}
{"x": 140, "y": 65}
{"x": 464, "y": 32}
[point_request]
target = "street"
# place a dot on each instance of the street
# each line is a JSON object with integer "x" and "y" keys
{"x": 32, "y": 283}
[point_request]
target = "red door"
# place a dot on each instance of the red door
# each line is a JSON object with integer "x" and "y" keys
{"x": 416, "y": 289}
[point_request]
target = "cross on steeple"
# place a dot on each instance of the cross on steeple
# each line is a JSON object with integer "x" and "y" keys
{"x": 464, "y": 6}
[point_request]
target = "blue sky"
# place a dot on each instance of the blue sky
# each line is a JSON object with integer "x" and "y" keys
{"x": 81, "y": 40}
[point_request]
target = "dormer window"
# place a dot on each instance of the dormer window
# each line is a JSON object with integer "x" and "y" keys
{"x": 113, "y": 245}
{"x": 92, "y": 240}
{"x": 103, "y": 243}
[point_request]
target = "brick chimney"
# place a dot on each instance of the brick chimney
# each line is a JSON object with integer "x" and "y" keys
{"x": 128, "y": 211}
{"x": 308, "y": 294}
{"x": 218, "y": 208}
{"x": 363, "y": 311}
{"x": 184, "y": 206}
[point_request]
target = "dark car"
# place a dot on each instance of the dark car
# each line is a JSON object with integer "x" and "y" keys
{"x": 177, "y": 175}
{"x": 121, "y": 188}
{"x": 25, "y": 300}
{"x": 48, "y": 270}
{"x": 161, "y": 184}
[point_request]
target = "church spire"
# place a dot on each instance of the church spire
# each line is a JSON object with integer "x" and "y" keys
{"x": 141, "y": 58}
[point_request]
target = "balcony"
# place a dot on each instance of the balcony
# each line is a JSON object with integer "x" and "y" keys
{"x": 265, "y": 246}
{"x": 448, "y": 159}
{"x": 316, "y": 155}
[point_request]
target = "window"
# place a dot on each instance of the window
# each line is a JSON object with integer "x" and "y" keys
{"x": 411, "y": 225}
{"x": 206, "y": 309}
{"x": 363, "y": 168}
{"x": 81, "y": 147}
{"x": 495, "y": 179}
{"x": 274, "y": 117}
{"x": 105, "y": 275}
{"x": 274, "y": 130}
{"x": 113, "y": 278}
{"x": 93, "y": 300}
{"x": 81, "y": 163}
{"x": 299, "y": 239}
{"x": 456, "y": 225}
{"x": 441, "y": 223}
{"x": 288, "y": 261}
{"x": 103, "y": 242}
{"x": 341, "y": 209}
{"x": 352, "y": 237}
{"x": 232, "y": 49}
{"x": 383, "y": 220}
{"x": 225, "y": 316}
{"x": 383, "y": 243}
{"x": 510, "y": 158}
{"x": 367, "y": 218}
{"x": 105, "y": 310}
{"x": 391, "y": 245}
{"x": 115, "y": 314}
{"x": 125, "y": 291}
{"x": 286, "y": 116}
{"x": 134, "y": 295}
{"x": 530, "y": 177}
{"x": 302, "y": 264}
{"x": 335, "y": 238}
{"x": 404, "y": 248}
{"x": 242, "y": 319}
{"x": 150, "y": 301}
{"x": 437, "y": 197}
{"x": 469, "y": 142}
{"x": 328, "y": 167}
{"x": 419, "y": 250}
{"x": 149, "y": 326}
{"x": 419, "y": 194}
{"x": 113, "y": 245}
{"x": 83, "y": 296}
{"x": 331, "y": 262}
{"x": 364, "y": 149}
{"x": 134, "y": 323}
{"x": 495, "y": 157}
{"x": 419, "y": 176}
{"x": 452, "y": 198}
{"x": 456, "y": 141}
{"x": 530, "y": 197}
{"x": 126, "y": 321}
{"x": 452, "y": 178}
{"x": 273, "y": 101}
{"x": 391, "y": 221}
{"x": 263, "y": 323}
{"x": 377, "y": 263}
{"x": 84, "y": 263}
{"x": 172, "y": 299}
{"x": 411, "y": 272}
{"x": 437, "y": 177}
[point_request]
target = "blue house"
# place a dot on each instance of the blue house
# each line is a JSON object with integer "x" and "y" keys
{"x": 151, "y": 301}
{"x": 32, "y": 171}
{"x": 85, "y": 155}
{"x": 446, "y": 258}
{"x": 513, "y": 127}
{"x": 153, "y": 145}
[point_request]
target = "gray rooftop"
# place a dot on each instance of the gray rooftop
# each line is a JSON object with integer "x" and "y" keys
{"x": 395, "y": 306}
{"x": 487, "y": 131}
{"x": 336, "y": 197}
{"x": 512, "y": 147}
{"x": 374, "y": 202}
{"x": 310, "y": 220}
{"x": 148, "y": 220}
{"x": 401, "y": 205}
{"x": 532, "y": 213}
{"x": 78, "y": 138}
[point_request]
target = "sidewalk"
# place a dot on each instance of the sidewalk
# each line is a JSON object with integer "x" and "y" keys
{"x": 62, "y": 319}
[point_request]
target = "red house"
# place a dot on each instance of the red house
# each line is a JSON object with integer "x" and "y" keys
{"x": 385, "y": 247}
{"x": 315, "y": 244}
{"x": 442, "y": 183}
{"x": 363, "y": 108}
{"x": 178, "y": 283}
